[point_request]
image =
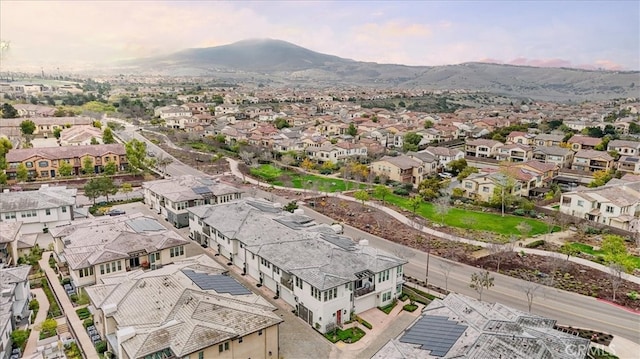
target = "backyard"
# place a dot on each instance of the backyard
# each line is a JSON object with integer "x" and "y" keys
{"x": 288, "y": 178}
{"x": 466, "y": 219}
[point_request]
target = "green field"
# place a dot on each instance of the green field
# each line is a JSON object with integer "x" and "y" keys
{"x": 287, "y": 178}
{"x": 585, "y": 248}
{"x": 481, "y": 221}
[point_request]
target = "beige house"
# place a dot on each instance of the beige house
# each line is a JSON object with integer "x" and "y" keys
{"x": 514, "y": 152}
{"x": 521, "y": 138}
{"x": 404, "y": 168}
{"x": 481, "y": 186}
{"x": 629, "y": 164}
{"x": 579, "y": 142}
{"x": 482, "y": 148}
{"x": 79, "y": 135}
{"x": 624, "y": 148}
{"x": 548, "y": 140}
{"x": 560, "y": 156}
{"x": 189, "y": 309}
{"x": 590, "y": 160}
{"x": 10, "y": 233}
{"x": 94, "y": 248}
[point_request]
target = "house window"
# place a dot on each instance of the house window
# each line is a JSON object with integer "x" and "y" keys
{"x": 29, "y": 164}
{"x": 43, "y": 164}
{"x": 260, "y": 332}
{"x": 485, "y": 189}
{"x": 10, "y": 215}
{"x": 609, "y": 209}
{"x": 102, "y": 269}
{"x": 47, "y": 212}
{"x": 580, "y": 203}
{"x": 221, "y": 348}
{"x": 44, "y": 173}
{"x": 240, "y": 340}
{"x": 200, "y": 355}
{"x": 64, "y": 209}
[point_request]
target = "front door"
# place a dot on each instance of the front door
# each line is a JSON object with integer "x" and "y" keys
{"x": 339, "y": 317}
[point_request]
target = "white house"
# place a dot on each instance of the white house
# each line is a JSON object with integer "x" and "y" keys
{"x": 444, "y": 155}
{"x": 38, "y": 210}
{"x": 325, "y": 276}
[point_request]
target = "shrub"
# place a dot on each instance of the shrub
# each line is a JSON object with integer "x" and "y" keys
{"x": 364, "y": 322}
{"x": 401, "y": 192}
{"x": 19, "y": 338}
{"x": 87, "y": 322}
{"x": 389, "y": 307}
{"x": 101, "y": 346}
{"x": 535, "y": 244}
{"x": 633, "y": 295}
{"x": 54, "y": 308}
{"x": 73, "y": 297}
{"x": 519, "y": 212}
{"x": 66, "y": 281}
{"x": 410, "y": 307}
{"x": 83, "y": 313}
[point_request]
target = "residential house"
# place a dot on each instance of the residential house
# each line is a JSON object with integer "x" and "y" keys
{"x": 225, "y": 109}
{"x": 14, "y": 305}
{"x": 80, "y": 136}
{"x": 168, "y": 112}
{"x": 579, "y": 142}
{"x": 44, "y": 162}
{"x": 615, "y": 205}
{"x": 521, "y": 138}
{"x": 325, "y": 276}
{"x": 352, "y": 150}
{"x": 171, "y": 197}
{"x": 96, "y": 247}
{"x": 476, "y": 329}
{"x": 624, "y": 148}
{"x": 547, "y": 140}
{"x": 590, "y": 160}
{"x": 629, "y": 164}
{"x": 10, "y": 234}
{"x": 30, "y": 110}
{"x": 38, "y": 210}
{"x": 402, "y": 169}
{"x": 560, "y": 156}
{"x": 514, "y": 152}
{"x": 482, "y": 148}
{"x": 327, "y": 152}
{"x": 444, "y": 155}
{"x": 44, "y": 125}
{"x": 481, "y": 186}
{"x": 202, "y": 312}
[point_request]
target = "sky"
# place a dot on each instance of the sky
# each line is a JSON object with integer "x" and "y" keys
{"x": 579, "y": 34}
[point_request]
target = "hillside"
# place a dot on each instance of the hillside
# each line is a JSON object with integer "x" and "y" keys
{"x": 283, "y": 63}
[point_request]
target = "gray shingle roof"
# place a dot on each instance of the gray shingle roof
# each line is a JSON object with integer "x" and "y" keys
{"x": 34, "y": 200}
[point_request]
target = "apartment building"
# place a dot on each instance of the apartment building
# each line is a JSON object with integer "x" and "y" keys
{"x": 616, "y": 204}
{"x": 172, "y": 197}
{"x": 44, "y": 162}
{"x": 325, "y": 276}
{"x": 97, "y": 247}
{"x": 38, "y": 210}
{"x": 189, "y": 309}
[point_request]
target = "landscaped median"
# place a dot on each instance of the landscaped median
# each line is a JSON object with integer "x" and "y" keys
{"x": 474, "y": 220}
{"x": 287, "y": 178}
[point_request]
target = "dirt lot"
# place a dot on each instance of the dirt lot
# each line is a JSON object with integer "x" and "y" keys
{"x": 204, "y": 163}
{"x": 558, "y": 273}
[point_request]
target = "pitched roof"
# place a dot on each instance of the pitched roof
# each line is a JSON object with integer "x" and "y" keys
{"x": 53, "y": 153}
{"x": 402, "y": 161}
{"x": 45, "y": 197}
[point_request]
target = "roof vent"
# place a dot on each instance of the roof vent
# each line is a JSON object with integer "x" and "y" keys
{"x": 363, "y": 242}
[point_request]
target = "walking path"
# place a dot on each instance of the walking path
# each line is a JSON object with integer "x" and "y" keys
{"x": 233, "y": 164}
{"x": 32, "y": 343}
{"x": 84, "y": 342}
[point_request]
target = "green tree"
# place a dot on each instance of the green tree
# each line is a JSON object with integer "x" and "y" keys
{"x": 600, "y": 178}
{"x": 22, "y": 173}
{"x": 136, "y": 154}
{"x": 107, "y": 136}
{"x": 457, "y": 166}
{"x": 361, "y": 196}
{"x": 97, "y": 124}
{"x": 87, "y": 166}
{"x": 352, "y": 130}
{"x": 481, "y": 281}
{"x": 49, "y": 325}
{"x": 92, "y": 190}
{"x": 428, "y": 124}
{"x": 94, "y": 141}
{"x": 8, "y": 111}
{"x": 27, "y": 127}
{"x": 381, "y": 191}
{"x": 615, "y": 251}
{"x": 430, "y": 188}
{"x": 126, "y": 188}
{"x": 414, "y": 203}
{"x": 410, "y": 141}
{"x": 466, "y": 172}
{"x": 19, "y": 337}
{"x": 107, "y": 186}
{"x": 291, "y": 206}
{"x": 56, "y": 132}
{"x": 110, "y": 168}
{"x": 65, "y": 168}
{"x": 281, "y": 123}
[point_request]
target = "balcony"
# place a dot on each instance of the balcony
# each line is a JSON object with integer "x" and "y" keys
{"x": 287, "y": 282}
{"x": 364, "y": 290}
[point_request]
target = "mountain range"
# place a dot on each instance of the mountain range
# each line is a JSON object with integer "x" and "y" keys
{"x": 282, "y": 63}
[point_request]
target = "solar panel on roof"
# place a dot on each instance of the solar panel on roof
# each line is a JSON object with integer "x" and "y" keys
{"x": 434, "y": 333}
{"x": 219, "y": 283}
{"x": 201, "y": 190}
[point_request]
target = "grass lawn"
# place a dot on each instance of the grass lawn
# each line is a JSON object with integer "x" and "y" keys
{"x": 585, "y": 248}
{"x": 274, "y": 175}
{"x": 349, "y": 335}
{"x": 482, "y": 221}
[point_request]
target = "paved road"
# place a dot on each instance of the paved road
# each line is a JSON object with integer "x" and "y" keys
{"x": 567, "y": 308}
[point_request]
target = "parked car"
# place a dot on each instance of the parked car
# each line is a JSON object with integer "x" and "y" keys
{"x": 446, "y": 175}
{"x": 116, "y": 212}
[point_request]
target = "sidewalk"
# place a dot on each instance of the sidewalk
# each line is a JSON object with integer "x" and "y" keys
{"x": 84, "y": 342}
{"x": 233, "y": 164}
{"x": 32, "y": 343}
